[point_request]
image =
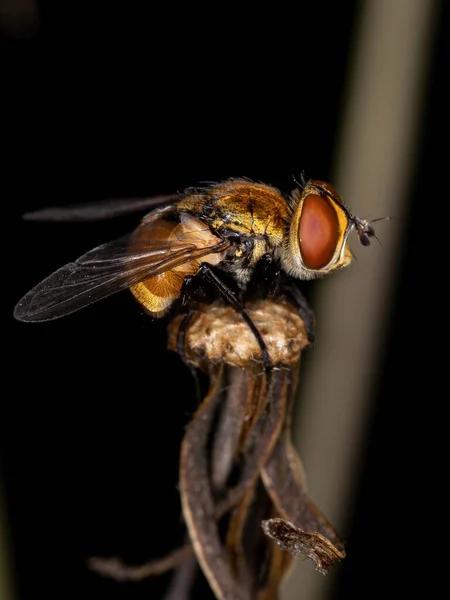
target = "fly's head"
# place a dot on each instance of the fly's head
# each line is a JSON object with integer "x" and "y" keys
{"x": 317, "y": 242}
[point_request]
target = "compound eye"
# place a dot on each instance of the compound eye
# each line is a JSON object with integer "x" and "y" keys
{"x": 318, "y": 232}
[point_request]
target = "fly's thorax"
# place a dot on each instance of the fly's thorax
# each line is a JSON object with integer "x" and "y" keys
{"x": 317, "y": 240}
{"x": 252, "y": 216}
{"x": 158, "y": 293}
{"x": 241, "y": 207}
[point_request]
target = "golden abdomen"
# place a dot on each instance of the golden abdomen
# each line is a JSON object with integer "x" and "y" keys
{"x": 158, "y": 293}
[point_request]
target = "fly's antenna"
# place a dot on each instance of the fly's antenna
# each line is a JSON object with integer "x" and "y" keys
{"x": 365, "y": 229}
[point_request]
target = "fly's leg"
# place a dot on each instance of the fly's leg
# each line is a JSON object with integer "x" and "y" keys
{"x": 268, "y": 281}
{"x": 226, "y": 293}
{"x": 291, "y": 290}
{"x": 192, "y": 289}
{"x": 181, "y": 338}
{"x": 182, "y": 333}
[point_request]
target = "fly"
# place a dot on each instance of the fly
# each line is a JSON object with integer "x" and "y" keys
{"x": 224, "y": 241}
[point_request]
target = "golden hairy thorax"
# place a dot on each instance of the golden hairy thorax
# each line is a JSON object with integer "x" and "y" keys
{"x": 252, "y": 209}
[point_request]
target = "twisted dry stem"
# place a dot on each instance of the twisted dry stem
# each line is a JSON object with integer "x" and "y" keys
{"x": 239, "y": 472}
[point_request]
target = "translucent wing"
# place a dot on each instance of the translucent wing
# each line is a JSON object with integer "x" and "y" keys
{"x": 98, "y": 211}
{"x": 107, "y": 269}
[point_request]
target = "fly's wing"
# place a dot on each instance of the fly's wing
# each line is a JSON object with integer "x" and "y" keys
{"x": 98, "y": 211}
{"x": 105, "y": 270}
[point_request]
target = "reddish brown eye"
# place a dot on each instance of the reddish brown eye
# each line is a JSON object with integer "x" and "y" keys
{"x": 319, "y": 232}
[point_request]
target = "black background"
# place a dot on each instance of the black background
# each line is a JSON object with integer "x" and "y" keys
{"x": 105, "y": 102}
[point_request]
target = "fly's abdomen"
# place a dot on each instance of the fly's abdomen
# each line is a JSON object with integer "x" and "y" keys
{"x": 158, "y": 293}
